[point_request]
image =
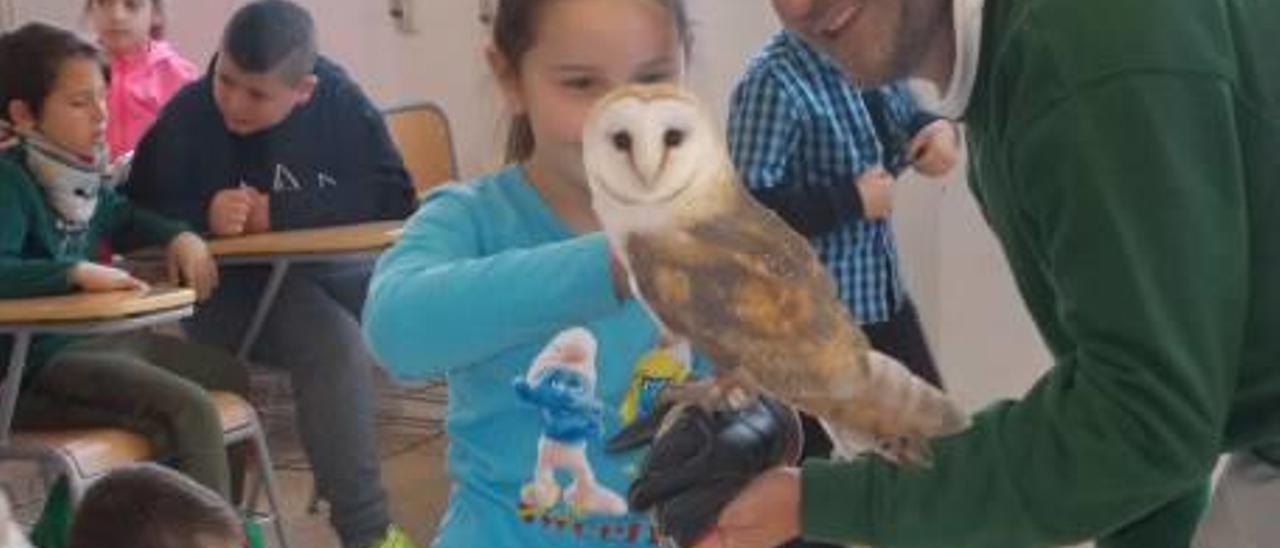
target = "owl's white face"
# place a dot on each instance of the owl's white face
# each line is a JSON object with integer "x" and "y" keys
{"x": 649, "y": 152}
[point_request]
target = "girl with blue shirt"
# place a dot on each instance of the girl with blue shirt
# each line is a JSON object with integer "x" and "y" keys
{"x": 505, "y": 286}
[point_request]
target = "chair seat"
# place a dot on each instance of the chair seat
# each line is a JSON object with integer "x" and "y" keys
{"x": 236, "y": 413}
{"x": 95, "y": 451}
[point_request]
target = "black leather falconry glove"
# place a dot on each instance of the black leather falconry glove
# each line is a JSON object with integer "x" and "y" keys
{"x": 701, "y": 461}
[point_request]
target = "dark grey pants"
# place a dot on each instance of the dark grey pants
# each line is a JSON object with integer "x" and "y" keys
{"x": 313, "y": 332}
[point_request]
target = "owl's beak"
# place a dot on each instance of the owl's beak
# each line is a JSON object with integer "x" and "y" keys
{"x": 648, "y": 160}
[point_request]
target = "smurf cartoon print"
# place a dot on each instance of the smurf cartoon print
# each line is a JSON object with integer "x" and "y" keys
{"x": 561, "y": 383}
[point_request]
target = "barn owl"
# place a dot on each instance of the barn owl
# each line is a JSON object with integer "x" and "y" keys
{"x": 719, "y": 271}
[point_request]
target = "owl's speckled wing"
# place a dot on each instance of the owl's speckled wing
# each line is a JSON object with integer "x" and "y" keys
{"x": 747, "y": 291}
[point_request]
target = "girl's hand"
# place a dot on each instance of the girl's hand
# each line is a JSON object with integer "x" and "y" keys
{"x": 94, "y": 278}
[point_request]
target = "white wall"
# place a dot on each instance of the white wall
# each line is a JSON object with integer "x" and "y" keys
{"x": 979, "y": 331}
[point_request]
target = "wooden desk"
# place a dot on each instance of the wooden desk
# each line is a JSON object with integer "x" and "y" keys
{"x": 349, "y": 243}
{"x": 79, "y": 314}
{"x": 325, "y": 241}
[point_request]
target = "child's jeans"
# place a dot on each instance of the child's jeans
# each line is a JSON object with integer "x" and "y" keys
{"x": 152, "y": 384}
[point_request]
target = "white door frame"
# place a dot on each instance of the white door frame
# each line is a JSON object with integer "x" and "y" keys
{"x": 8, "y": 16}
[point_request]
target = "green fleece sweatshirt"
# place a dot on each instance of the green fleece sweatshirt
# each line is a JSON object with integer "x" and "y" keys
{"x": 36, "y": 255}
{"x": 1127, "y": 155}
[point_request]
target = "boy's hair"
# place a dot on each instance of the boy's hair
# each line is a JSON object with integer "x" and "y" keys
{"x": 157, "y": 23}
{"x": 149, "y": 506}
{"x": 30, "y": 59}
{"x": 514, "y": 25}
{"x": 272, "y": 36}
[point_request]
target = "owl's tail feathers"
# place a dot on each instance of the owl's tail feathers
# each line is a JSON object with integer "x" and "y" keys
{"x": 893, "y": 413}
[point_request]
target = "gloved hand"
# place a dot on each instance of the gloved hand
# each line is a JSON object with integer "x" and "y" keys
{"x": 699, "y": 463}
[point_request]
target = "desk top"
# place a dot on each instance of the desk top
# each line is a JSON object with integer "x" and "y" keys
{"x": 336, "y": 239}
{"x": 94, "y": 306}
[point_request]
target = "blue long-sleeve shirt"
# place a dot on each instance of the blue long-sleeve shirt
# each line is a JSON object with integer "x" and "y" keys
{"x": 483, "y": 277}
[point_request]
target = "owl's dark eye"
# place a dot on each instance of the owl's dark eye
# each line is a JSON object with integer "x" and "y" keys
{"x": 622, "y": 141}
{"x": 672, "y": 138}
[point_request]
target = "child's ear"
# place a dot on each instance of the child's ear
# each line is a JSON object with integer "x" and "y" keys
{"x": 21, "y": 115}
{"x": 307, "y": 87}
{"x": 508, "y": 78}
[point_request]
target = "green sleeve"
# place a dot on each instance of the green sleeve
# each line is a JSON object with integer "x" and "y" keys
{"x": 130, "y": 227}
{"x": 1130, "y": 206}
{"x": 20, "y": 276}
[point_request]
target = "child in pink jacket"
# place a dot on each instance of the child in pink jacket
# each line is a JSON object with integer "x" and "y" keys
{"x": 145, "y": 70}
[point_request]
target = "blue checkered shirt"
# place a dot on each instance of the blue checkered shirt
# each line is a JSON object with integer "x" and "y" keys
{"x": 795, "y": 119}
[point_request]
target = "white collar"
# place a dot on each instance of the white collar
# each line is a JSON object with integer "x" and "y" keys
{"x": 967, "y": 15}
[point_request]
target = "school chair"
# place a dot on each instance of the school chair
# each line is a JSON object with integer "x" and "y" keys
{"x": 81, "y": 455}
{"x": 422, "y": 134}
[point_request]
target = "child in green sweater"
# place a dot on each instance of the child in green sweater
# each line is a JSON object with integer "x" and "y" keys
{"x": 55, "y": 212}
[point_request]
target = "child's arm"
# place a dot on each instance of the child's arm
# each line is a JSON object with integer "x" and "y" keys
{"x": 439, "y": 302}
{"x": 20, "y": 276}
{"x": 131, "y": 227}
{"x": 909, "y": 135}
{"x": 764, "y": 135}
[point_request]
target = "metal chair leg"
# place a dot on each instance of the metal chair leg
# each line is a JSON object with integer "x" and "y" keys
{"x": 268, "y": 480}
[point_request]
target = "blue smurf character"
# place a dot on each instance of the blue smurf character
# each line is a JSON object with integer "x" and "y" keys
{"x": 561, "y": 382}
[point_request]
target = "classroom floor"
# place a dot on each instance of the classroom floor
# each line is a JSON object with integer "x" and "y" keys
{"x": 411, "y": 446}
{"x": 414, "y": 480}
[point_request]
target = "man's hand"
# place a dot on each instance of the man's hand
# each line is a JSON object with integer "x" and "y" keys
{"x": 764, "y": 515}
{"x": 229, "y": 211}
{"x": 875, "y": 187}
{"x": 191, "y": 264}
{"x": 93, "y": 277}
{"x": 934, "y": 150}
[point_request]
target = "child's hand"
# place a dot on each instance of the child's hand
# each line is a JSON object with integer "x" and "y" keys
{"x": 229, "y": 211}
{"x": 259, "y": 212}
{"x": 934, "y": 150}
{"x": 875, "y": 187}
{"x": 93, "y": 277}
{"x": 191, "y": 264}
